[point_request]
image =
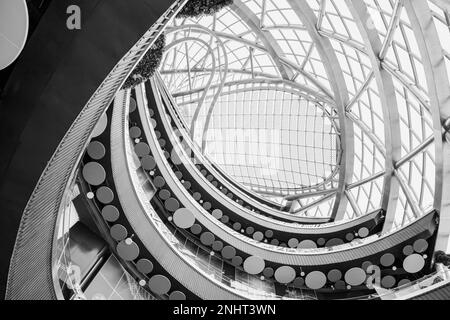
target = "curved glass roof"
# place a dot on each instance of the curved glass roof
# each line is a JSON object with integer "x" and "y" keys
{"x": 324, "y": 105}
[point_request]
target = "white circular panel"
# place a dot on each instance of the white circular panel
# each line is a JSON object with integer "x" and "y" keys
{"x": 254, "y": 265}
{"x": 285, "y": 274}
{"x": 315, "y": 280}
{"x": 13, "y": 30}
{"x": 183, "y": 218}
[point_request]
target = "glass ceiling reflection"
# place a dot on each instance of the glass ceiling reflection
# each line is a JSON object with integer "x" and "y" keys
{"x": 255, "y": 67}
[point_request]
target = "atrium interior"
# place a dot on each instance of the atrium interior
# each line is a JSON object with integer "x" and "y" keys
{"x": 276, "y": 150}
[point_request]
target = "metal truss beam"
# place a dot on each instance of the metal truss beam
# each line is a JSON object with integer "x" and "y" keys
{"x": 274, "y": 50}
{"x": 321, "y": 89}
{"x": 389, "y": 106}
{"x": 341, "y": 96}
{"x": 299, "y": 89}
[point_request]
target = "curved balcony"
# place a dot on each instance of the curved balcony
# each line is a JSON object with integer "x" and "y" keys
{"x": 240, "y": 217}
{"x": 82, "y": 214}
{"x": 275, "y": 258}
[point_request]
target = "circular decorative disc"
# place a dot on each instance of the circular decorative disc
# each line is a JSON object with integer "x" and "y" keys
{"x": 183, "y": 218}
{"x": 128, "y": 252}
{"x": 334, "y": 275}
{"x": 299, "y": 282}
{"x": 269, "y": 234}
{"x": 307, "y": 244}
{"x": 268, "y": 272}
{"x": 187, "y": 185}
{"x": 94, "y": 173}
{"x": 164, "y": 194}
{"x": 254, "y": 265}
{"x": 275, "y": 242}
{"x": 340, "y": 285}
{"x": 179, "y": 175}
{"x": 148, "y": 162}
{"x": 315, "y": 280}
{"x": 217, "y": 214}
{"x": 363, "y": 232}
{"x": 196, "y": 229}
{"x": 388, "y": 282}
{"x": 420, "y": 246}
{"x": 334, "y": 242}
{"x": 404, "y": 282}
{"x": 387, "y": 260}
{"x": 175, "y": 157}
{"x": 96, "y": 150}
{"x": 159, "y": 284}
{"x": 366, "y": 265}
{"x": 118, "y": 232}
{"x": 177, "y": 295}
{"x": 110, "y": 213}
{"x": 258, "y": 236}
{"x": 141, "y": 149}
{"x": 293, "y": 243}
{"x": 135, "y": 132}
{"x": 228, "y": 252}
{"x": 159, "y": 182}
{"x": 225, "y": 219}
{"x": 207, "y": 238}
{"x": 104, "y": 195}
{"x": 171, "y": 204}
{"x": 236, "y": 261}
{"x": 14, "y": 29}
{"x": 217, "y": 245}
{"x": 133, "y": 105}
{"x": 144, "y": 266}
{"x": 197, "y": 196}
{"x": 101, "y": 125}
{"x": 285, "y": 274}
{"x": 414, "y": 263}
{"x": 408, "y": 250}
{"x": 355, "y": 277}
{"x": 207, "y": 206}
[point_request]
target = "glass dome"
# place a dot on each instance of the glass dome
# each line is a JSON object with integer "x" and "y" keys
{"x": 313, "y": 101}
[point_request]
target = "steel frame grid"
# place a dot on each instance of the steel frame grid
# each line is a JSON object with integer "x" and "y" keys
{"x": 404, "y": 177}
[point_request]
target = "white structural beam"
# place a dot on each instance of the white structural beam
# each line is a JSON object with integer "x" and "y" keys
{"x": 299, "y": 69}
{"x": 274, "y": 50}
{"x": 433, "y": 61}
{"x": 444, "y": 4}
{"x": 341, "y": 97}
{"x": 389, "y": 105}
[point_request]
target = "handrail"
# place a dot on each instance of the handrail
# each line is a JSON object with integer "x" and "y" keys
{"x": 45, "y": 203}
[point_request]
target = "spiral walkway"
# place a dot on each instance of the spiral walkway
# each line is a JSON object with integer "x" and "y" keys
{"x": 289, "y": 150}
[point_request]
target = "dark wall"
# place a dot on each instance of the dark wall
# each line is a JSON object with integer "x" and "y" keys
{"x": 52, "y": 81}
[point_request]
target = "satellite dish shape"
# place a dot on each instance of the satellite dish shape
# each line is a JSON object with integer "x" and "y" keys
{"x": 13, "y": 30}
